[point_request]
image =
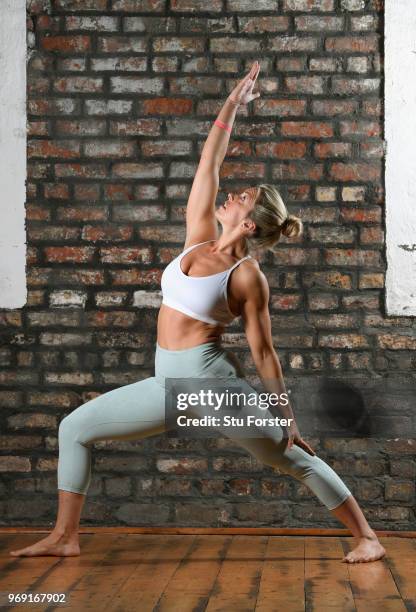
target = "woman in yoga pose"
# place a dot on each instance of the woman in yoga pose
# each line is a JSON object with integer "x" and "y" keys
{"x": 210, "y": 283}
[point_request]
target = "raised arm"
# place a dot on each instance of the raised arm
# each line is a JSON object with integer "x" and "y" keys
{"x": 201, "y": 223}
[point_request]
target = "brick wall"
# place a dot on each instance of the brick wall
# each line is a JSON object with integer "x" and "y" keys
{"x": 121, "y": 95}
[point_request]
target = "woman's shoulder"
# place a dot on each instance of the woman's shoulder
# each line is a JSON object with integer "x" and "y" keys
{"x": 250, "y": 278}
{"x": 250, "y": 268}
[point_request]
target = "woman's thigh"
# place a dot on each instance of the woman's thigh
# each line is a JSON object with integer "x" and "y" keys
{"x": 240, "y": 400}
{"x": 128, "y": 412}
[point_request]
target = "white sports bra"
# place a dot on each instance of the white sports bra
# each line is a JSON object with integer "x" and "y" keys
{"x": 200, "y": 297}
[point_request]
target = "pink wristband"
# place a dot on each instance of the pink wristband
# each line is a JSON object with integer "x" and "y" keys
{"x": 222, "y": 125}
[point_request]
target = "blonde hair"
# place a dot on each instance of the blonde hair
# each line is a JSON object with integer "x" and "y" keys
{"x": 272, "y": 219}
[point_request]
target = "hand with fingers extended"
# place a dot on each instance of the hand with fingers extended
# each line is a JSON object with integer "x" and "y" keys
{"x": 243, "y": 93}
{"x": 291, "y": 433}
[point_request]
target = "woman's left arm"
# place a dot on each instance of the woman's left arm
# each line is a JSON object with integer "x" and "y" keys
{"x": 257, "y": 326}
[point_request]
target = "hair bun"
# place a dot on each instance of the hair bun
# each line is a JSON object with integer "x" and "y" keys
{"x": 292, "y": 226}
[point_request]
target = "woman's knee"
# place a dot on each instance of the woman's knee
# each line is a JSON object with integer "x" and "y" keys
{"x": 294, "y": 461}
{"x": 69, "y": 428}
{"x": 63, "y": 430}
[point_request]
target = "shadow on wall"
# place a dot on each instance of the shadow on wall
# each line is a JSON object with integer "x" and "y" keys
{"x": 342, "y": 409}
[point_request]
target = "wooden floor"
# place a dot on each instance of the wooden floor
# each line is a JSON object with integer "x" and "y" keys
{"x": 231, "y": 573}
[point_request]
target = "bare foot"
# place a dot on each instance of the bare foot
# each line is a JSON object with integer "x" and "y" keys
{"x": 54, "y": 544}
{"x": 367, "y": 549}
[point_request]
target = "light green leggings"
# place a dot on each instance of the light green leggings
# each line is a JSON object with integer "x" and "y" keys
{"x": 137, "y": 410}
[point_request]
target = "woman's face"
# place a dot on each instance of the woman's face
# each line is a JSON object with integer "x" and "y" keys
{"x": 237, "y": 207}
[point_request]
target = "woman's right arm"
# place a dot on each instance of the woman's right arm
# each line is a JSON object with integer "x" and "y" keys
{"x": 201, "y": 223}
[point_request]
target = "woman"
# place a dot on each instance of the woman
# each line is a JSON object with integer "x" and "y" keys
{"x": 210, "y": 283}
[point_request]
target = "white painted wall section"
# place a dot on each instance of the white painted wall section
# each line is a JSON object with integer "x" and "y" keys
{"x": 400, "y": 134}
{"x": 13, "y": 291}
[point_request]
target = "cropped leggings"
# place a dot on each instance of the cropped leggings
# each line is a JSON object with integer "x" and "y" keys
{"x": 137, "y": 410}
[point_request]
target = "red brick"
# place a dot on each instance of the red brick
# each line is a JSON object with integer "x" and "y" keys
{"x": 321, "y": 23}
{"x": 308, "y": 5}
{"x": 355, "y": 172}
{"x": 136, "y": 127}
{"x": 324, "y": 64}
{"x": 166, "y": 106}
{"x": 319, "y": 214}
{"x": 371, "y": 235}
{"x": 371, "y": 107}
{"x": 298, "y": 170}
{"x": 287, "y": 149}
{"x": 361, "y": 215}
{"x": 332, "y": 149}
{"x": 330, "y": 320}
{"x": 37, "y": 128}
{"x": 370, "y": 280}
{"x": 353, "y": 44}
{"x": 352, "y": 257}
{"x": 274, "y": 488}
{"x": 244, "y": 5}
{"x": 236, "y": 464}
{"x": 137, "y": 170}
{"x": 82, "y": 213}
{"x": 291, "y": 64}
{"x": 366, "y": 302}
{"x": 322, "y": 301}
{"x": 136, "y": 277}
{"x": 84, "y": 5}
{"x": 308, "y": 129}
{"x": 126, "y": 255}
{"x": 280, "y": 108}
{"x": 177, "y": 44}
{"x": 305, "y": 84}
{"x": 150, "y": 148}
{"x": 195, "y": 85}
{"x": 396, "y": 341}
{"x": 195, "y": 5}
{"x": 100, "y": 23}
{"x": 64, "y": 254}
{"x": 56, "y": 190}
{"x": 285, "y": 301}
{"x": 360, "y": 128}
{"x": 363, "y": 23}
{"x": 345, "y": 86}
{"x": 260, "y": 24}
{"x": 359, "y": 361}
{"x": 290, "y": 44}
{"x": 337, "y": 280}
{"x": 165, "y": 64}
{"x": 66, "y": 44}
{"x": 109, "y": 148}
{"x": 78, "y": 84}
{"x": 53, "y": 148}
{"x": 151, "y": 6}
{"x": 14, "y": 464}
{"x": 226, "y": 44}
{"x": 335, "y": 235}
{"x": 83, "y": 127}
{"x": 401, "y": 446}
{"x": 299, "y": 193}
{"x": 14, "y": 443}
{"x": 400, "y": 491}
{"x": 293, "y": 256}
{"x": 372, "y": 149}
{"x": 240, "y": 169}
{"x": 334, "y": 107}
{"x": 81, "y": 170}
{"x": 403, "y": 468}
